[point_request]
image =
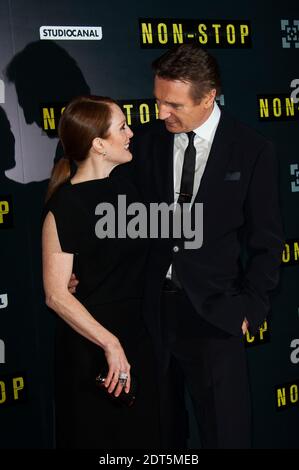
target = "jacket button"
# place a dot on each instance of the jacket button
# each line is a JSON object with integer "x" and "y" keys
{"x": 175, "y": 249}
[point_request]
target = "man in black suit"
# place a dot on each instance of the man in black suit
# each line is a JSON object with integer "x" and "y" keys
{"x": 200, "y": 302}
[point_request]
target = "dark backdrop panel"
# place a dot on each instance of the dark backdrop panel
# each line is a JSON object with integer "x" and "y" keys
{"x": 46, "y": 74}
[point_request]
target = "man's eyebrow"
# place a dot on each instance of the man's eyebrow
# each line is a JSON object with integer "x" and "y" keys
{"x": 174, "y": 104}
{"x": 170, "y": 102}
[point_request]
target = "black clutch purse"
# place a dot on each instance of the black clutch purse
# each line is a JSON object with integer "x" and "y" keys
{"x": 124, "y": 399}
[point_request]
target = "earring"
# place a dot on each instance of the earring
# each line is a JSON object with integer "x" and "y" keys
{"x": 104, "y": 153}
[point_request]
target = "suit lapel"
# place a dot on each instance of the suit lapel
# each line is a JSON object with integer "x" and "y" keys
{"x": 220, "y": 155}
{"x": 216, "y": 167}
{"x": 163, "y": 164}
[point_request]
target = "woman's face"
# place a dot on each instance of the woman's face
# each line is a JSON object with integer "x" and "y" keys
{"x": 117, "y": 144}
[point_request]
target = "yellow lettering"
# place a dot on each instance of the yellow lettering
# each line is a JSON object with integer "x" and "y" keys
{"x": 18, "y": 384}
{"x": 281, "y": 397}
{"x": 249, "y": 338}
{"x": 4, "y": 209}
{"x": 263, "y": 329}
{"x": 286, "y": 254}
{"x": 162, "y": 33}
{"x": 296, "y": 251}
{"x": 144, "y": 113}
{"x": 157, "y": 110}
{"x": 177, "y": 30}
{"x": 294, "y": 393}
{"x": 244, "y": 31}
{"x": 49, "y": 119}
{"x": 264, "y": 107}
{"x": 202, "y": 37}
{"x": 290, "y": 108}
{"x": 127, "y": 108}
{"x": 147, "y": 33}
{"x": 231, "y": 34}
{"x": 2, "y": 392}
{"x": 277, "y": 107}
{"x": 216, "y": 28}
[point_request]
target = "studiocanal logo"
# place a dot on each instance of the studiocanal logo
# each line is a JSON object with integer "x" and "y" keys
{"x": 167, "y": 32}
{"x": 78, "y": 33}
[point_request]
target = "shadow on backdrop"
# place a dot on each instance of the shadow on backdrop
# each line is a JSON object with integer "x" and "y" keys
{"x": 20, "y": 278}
{"x": 42, "y": 72}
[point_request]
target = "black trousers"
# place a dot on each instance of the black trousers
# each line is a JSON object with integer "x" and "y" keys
{"x": 214, "y": 366}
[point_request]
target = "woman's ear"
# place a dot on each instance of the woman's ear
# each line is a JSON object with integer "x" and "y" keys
{"x": 98, "y": 146}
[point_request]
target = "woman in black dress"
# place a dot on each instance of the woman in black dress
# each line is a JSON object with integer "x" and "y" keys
{"x": 101, "y": 326}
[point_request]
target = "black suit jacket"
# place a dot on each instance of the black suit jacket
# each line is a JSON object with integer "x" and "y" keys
{"x": 240, "y": 207}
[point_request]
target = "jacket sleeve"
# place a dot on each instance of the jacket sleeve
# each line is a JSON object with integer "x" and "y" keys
{"x": 263, "y": 237}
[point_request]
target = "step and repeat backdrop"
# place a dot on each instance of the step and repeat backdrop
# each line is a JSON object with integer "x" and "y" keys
{"x": 53, "y": 51}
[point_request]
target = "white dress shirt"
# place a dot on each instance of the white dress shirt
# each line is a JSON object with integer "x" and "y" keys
{"x": 203, "y": 142}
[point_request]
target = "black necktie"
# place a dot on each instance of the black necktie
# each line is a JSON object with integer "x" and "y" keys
{"x": 186, "y": 189}
{"x": 187, "y": 180}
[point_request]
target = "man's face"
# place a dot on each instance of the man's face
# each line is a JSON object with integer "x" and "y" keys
{"x": 177, "y": 108}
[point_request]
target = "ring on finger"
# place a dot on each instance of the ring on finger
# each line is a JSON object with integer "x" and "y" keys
{"x": 123, "y": 376}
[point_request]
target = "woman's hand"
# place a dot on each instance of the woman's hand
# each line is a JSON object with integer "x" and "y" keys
{"x": 59, "y": 284}
{"x": 72, "y": 284}
{"x": 118, "y": 364}
{"x": 245, "y": 326}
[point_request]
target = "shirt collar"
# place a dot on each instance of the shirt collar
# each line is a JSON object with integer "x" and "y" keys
{"x": 207, "y": 130}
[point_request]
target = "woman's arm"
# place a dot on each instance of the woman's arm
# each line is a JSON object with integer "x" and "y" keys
{"x": 57, "y": 270}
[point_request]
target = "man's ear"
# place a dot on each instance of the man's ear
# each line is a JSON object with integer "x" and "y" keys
{"x": 209, "y": 98}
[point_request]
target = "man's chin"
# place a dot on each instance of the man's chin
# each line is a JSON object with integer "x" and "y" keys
{"x": 172, "y": 127}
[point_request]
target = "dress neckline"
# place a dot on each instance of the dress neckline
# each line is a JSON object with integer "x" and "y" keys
{"x": 94, "y": 180}
{"x": 97, "y": 180}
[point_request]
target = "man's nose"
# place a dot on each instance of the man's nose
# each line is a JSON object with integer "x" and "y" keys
{"x": 164, "y": 112}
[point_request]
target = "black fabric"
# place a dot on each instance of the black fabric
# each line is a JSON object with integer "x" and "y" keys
{"x": 111, "y": 277}
{"x": 214, "y": 366}
{"x": 222, "y": 288}
{"x": 104, "y": 266}
{"x": 175, "y": 279}
{"x": 236, "y": 213}
{"x": 187, "y": 180}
